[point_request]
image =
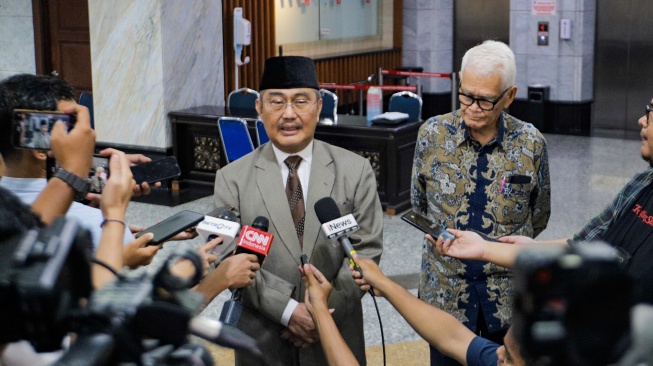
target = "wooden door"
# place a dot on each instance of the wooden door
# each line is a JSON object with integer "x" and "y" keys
{"x": 62, "y": 41}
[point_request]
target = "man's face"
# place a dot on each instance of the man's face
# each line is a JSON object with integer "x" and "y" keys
{"x": 509, "y": 354}
{"x": 290, "y": 128}
{"x": 44, "y": 129}
{"x": 647, "y": 134}
{"x": 487, "y": 88}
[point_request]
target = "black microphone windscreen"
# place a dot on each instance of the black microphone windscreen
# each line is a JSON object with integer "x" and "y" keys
{"x": 262, "y": 223}
{"x": 326, "y": 210}
{"x": 228, "y": 215}
{"x": 216, "y": 212}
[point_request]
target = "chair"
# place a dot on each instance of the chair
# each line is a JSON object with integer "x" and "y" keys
{"x": 242, "y": 103}
{"x": 406, "y": 102}
{"x": 235, "y": 138}
{"x": 261, "y": 134}
{"x": 329, "y": 104}
{"x": 86, "y": 100}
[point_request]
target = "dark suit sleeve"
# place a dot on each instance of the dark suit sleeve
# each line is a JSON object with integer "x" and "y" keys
{"x": 367, "y": 241}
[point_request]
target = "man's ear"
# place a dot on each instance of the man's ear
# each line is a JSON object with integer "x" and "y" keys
{"x": 39, "y": 154}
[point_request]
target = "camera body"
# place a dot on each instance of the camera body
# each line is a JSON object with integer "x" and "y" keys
{"x": 44, "y": 275}
{"x": 572, "y": 306}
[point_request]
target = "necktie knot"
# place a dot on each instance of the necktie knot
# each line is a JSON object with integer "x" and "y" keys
{"x": 292, "y": 162}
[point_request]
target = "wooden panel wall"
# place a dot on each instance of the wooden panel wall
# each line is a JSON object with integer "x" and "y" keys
{"x": 341, "y": 70}
{"x": 261, "y": 15}
{"x": 355, "y": 68}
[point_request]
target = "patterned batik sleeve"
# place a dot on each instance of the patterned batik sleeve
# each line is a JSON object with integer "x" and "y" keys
{"x": 541, "y": 205}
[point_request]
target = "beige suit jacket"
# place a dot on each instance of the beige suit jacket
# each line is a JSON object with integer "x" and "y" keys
{"x": 254, "y": 186}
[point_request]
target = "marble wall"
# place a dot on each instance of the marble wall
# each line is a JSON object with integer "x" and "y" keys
{"x": 428, "y": 40}
{"x": 16, "y": 38}
{"x": 150, "y": 57}
{"x": 567, "y": 66}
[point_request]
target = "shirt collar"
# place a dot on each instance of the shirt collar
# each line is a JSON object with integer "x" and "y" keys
{"x": 306, "y": 154}
{"x": 23, "y": 184}
{"x": 464, "y": 134}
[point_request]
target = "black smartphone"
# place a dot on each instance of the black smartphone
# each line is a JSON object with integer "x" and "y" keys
{"x": 156, "y": 171}
{"x": 32, "y": 129}
{"x": 99, "y": 173}
{"x": 304, "y": 259}
{"x": 425, "y": 225}
{"x": 171, "y": 226}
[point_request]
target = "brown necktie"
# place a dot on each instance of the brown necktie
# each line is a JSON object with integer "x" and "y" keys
{"x": 295, "y": 196}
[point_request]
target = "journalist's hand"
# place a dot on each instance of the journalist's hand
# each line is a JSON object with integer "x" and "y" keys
{"x": 74, "y": 150}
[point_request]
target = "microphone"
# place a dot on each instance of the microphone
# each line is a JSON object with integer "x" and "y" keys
{"x": 336, "y": 227}
{"x": 224, "y": 335}
{"x": 222, "y": 224}
{"x": 255, "y": 240}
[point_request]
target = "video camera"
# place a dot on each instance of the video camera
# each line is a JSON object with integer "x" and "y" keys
{"x": 572, "y": 306}
{"x": 138, "y": 319}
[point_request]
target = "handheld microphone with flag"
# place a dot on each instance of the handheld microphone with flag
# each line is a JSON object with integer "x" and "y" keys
{"x": 336, "y": 227}
{"x": 255, "y": 240}
{"x": 219, "y": 222}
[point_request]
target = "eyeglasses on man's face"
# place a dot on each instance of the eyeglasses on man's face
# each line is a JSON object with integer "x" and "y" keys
{"x": 484, "y": 104}
{"x": 300, "y": 106}
{"x": 649, "y": 109}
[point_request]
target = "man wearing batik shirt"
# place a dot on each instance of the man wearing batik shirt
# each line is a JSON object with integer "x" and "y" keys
{"x": 479, "y": 168}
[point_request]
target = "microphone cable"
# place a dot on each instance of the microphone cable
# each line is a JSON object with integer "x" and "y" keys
{"x": 378, "y": 314}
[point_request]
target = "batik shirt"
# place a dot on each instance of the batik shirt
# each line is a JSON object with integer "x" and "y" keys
{"x": 502, "y": 188}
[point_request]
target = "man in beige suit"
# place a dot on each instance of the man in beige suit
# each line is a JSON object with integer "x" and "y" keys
{"x": 274, "y": 312}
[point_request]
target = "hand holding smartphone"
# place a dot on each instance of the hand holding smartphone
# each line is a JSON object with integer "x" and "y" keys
{"x": 171, "y": 226}
{"x": 425, "y": 225}
{"x": 156, "y": 171}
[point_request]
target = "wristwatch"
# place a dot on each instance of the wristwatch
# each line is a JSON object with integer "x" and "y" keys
{"x": 79, "y": 184}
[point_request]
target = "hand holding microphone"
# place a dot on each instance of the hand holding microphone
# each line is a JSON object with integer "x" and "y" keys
{"x": 255, "y": 240}
{"x": 336, "y": 227}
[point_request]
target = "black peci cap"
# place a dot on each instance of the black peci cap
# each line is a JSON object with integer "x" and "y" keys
{"x": 289, "y": 72}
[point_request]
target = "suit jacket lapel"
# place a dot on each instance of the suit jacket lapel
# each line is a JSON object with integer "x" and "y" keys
{"x": 321, "y": 185}
{"x": 270, "y": 185}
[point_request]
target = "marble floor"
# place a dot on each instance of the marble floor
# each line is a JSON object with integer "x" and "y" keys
{"x": 586, "y": 173}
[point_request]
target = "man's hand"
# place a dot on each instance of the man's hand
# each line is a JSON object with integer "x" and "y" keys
{"x": 236, "y": 271}
{"x": 205, "y": 251}
{"x": 137, "y": 253}
{"x": 74, "y": 150}
{"x": 301, "y": 331}
{"x": 140, "y": 188}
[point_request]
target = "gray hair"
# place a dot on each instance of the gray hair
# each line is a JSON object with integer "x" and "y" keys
{"x": 491, "y": 58}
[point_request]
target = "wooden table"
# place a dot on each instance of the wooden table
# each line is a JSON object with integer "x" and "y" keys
{"x": 390, "y": 149}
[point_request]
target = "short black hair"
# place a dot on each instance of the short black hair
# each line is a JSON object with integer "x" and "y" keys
{"x": 27, "y": 91}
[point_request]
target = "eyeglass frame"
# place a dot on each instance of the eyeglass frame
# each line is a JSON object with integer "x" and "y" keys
{"x": 649, "y": 109}
{"x": 292, "y": 105}
{"x": 477, "y": 100}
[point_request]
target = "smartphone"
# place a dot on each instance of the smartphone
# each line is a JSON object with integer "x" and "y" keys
{"x": 33, "y": 129}
{"x": 425, "y": 225}
{"x": 156, "y": 171}
{"x": 171, "y": 226}
{"x": 304, "y": 259}
{"x": 99, "y": 173}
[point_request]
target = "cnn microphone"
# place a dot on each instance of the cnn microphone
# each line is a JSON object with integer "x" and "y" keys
{"x": 336, "y": 227}
{"x": 255, "y": 240}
